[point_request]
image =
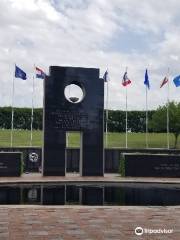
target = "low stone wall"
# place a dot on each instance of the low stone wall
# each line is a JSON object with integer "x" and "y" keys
{"x": 32, "y": 157}
{"x": 10, "y": 164}
{"x": 151, "y": 165}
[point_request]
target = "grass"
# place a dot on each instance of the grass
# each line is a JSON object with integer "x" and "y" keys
{"x": 135, "y": 140}
{"x": 20, "y": 138}
{"x": 138, "y": 140}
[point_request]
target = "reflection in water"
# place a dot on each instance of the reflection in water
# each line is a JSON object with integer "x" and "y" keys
{"x": 9, "y": 195}
{"x": 117, "y": 194}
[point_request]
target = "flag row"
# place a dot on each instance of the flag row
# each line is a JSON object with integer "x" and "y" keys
{"x": 126, "y": 80}
{"x": 19, "y": 73}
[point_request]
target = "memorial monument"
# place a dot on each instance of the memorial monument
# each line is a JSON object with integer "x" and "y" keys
{"x": 62, "y": 115}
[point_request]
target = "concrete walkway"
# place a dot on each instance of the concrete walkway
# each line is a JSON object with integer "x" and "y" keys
{"x": 73, "y": 178}
{"x": 88, "y": 223}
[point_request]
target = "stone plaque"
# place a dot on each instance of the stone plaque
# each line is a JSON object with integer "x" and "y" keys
{"x": 152, "y": 165}
{"x": 10, "y": 164}
{"x": 62, "y": 115}
{"x": 67, "y": 120}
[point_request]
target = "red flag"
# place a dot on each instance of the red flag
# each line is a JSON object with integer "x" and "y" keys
{"x": 40, "y": 73}
{"x": 125, "y": 80}
{"x": 165, "y": 80}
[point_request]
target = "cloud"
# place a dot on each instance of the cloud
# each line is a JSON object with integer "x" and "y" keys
{"x": 96, "y": 33}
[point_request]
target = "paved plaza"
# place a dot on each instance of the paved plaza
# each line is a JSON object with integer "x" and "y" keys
{"x": 30, "y": 222}
{"x": 90, "y": 223}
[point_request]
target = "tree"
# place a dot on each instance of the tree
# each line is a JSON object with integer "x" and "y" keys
{"x": 136, "y": 120}
{"x": 22, "y": 118}
{"x": 159, "y": 120}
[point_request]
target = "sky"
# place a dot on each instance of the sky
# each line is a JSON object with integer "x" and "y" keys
{"x": 112, "y": 34}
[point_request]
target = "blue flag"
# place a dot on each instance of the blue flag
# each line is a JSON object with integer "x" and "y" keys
{"x": 176, "y": 81}
{"x": 106, "y": 76}
{"x": 146, "y": 80}
{"x": 19, "y": 73}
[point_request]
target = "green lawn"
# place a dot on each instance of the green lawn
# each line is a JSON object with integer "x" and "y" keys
{"x": 20, "y": 138}
{"x": 135, "y": 140}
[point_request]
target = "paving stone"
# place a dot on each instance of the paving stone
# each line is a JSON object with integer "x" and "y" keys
{"x": 38, "y": 233}
{"x": 4, "y": 234}
{"x": 59, "y": 238}
{"x": 48, "y": 227}
{"x": 33, "y": 222}
{"x": 93, "y": 226}
{"x": 112, "y": 232}
{"x": 75, "y": 232}
{"x": 3, "y": 228}
{"x": 67, "y": 221}
{"x": 26, "y": 227}
{"x": 5, "y": 222}
{"x": 96, "y": 221}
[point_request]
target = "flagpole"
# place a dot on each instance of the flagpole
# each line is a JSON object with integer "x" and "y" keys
{"x": 107, "y": 98}
{"x": 146, "y": 118}
{"x": 168, "y": 110}
{"x": 32, "y": 111}
{"x": 126, "y": 114}
{"x": 12, "y": 110}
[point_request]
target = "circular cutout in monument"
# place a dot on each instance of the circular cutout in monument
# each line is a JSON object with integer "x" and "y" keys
{"x": 74, "y": 93}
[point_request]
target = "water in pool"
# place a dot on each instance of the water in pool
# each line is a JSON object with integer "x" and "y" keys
{"x": 130, "y": 194}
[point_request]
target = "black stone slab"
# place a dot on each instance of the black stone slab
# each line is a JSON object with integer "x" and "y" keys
{"x": 152, "y": 165}
{"x": 31, "y": 156}
{"x": 61, "y": 115}
{"x": 10, "y": 164}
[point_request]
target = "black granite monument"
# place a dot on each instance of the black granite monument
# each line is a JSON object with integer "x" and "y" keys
{"x": 62, "y": 115}
{"x": 152, "y": 165}
{"x": 10, "y": 164}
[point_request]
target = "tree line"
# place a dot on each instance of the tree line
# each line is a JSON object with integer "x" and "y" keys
{"x": 116, "y": 119}
{"x": 136, "y": 121}
{"x": 22, "y": 118}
